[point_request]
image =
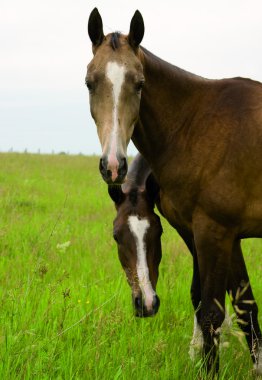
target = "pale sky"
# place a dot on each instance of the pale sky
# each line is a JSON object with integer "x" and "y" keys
{"x": 44, "y": 51}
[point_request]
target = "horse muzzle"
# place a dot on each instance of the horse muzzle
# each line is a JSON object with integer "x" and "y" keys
{"x": 142, "y": 310}
{"x": 113, "y": 173}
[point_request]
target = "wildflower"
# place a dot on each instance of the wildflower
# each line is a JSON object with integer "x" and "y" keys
{"x": 63, "y": 246}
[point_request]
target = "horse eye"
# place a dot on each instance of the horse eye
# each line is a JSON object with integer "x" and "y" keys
{"x": 89, "y": 85}
{"x": 139, "y": 86}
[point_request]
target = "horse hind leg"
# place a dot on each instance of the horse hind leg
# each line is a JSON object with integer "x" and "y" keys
{"x": 245, "y": 306}
{"x": 197, "y": 341}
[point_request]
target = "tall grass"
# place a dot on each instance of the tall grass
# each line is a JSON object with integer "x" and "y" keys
{"x": 65, "y": 305}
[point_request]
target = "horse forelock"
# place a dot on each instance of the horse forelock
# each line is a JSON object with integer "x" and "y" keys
{"x": 133, "y": 195}
{"x": 137, "y": 199}
{"x": 115, "y": 40}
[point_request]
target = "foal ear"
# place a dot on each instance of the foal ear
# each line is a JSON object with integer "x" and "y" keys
{"x": 152, "y": 188}
{"x": 137, "y": 29}
{"x": 116, "y": 194}
{"x": 95, "y": 28}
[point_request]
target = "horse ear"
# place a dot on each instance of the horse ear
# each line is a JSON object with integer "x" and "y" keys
{"x": 95, "y": 28}
{"x": 152, "y": 188}
{"x": 137, "y": 29}
{"x": 116, "y": 194}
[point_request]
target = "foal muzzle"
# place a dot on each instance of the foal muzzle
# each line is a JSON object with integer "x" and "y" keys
{"x": 140, "y": 308}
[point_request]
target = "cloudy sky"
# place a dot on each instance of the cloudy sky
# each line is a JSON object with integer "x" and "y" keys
{"x": 44, "y": 50}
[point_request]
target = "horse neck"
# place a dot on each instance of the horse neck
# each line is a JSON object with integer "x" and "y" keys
{"x": 168, "y": 102}
{"x": 137, "y": 175}
{"x": 156, "y": 68}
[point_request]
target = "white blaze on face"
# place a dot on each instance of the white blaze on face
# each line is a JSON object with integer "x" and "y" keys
{"x": 115, "y": 73}
{"x": 139, "y": 227}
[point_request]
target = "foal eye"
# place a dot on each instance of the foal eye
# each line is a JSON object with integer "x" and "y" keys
{"x": 115, "y": 237}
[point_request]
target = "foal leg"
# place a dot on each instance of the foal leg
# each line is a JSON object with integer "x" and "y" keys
{"x": 245, "y": 305}
{"x": 214, "y": 245}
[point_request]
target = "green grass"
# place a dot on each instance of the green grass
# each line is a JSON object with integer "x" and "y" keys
{"x": 66, "y": 308}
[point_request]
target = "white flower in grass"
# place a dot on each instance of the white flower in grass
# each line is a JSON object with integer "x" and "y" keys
{"x": 63, "y": 246}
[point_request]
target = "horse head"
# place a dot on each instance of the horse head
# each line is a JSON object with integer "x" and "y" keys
{"x": 137, "y": 232}
{"x": 114, "y": 80}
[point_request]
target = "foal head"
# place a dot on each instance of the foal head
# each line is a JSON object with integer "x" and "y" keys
{"x": 137, "y": 232}
{"x": 114, "y": 79}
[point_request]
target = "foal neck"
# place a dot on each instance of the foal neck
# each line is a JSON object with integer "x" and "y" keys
{"x": 138, "y": 173}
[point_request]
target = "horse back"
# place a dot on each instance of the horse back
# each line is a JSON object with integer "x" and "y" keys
{"x": 217, "y": 163}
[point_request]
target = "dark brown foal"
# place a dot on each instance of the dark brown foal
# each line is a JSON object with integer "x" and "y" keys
{"x": 137, "y": 232}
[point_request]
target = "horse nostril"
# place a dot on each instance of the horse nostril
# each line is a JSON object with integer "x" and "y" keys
{"x": 102, "y": 164}
{"x": 122, "y": 169}
{"x": 103, "y": 168}
{"x": 138, "y": 303}
{"x": 123, "y": 163}
{"x": 156, "y": 303}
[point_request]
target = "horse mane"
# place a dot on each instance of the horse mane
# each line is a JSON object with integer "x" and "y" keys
{"x": 114, "y": 41}
{"x": 137, "y": 175}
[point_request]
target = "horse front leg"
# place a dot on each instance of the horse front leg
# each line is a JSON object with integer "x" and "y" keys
{"x": 196, "y": 343}
{"x": 245, "y": 306}
{"x": 214, "y": 249}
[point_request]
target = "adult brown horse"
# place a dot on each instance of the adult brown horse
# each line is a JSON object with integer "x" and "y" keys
{"x": 203, "y": 140}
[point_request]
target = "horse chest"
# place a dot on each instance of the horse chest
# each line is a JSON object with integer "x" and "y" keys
{"x": 178, "y": 214}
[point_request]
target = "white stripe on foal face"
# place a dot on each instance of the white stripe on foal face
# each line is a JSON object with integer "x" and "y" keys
{"x": 139, "y": 227}
{"x": 115, "y": 73}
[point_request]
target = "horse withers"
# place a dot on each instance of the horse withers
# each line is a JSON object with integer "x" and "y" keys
{"x": 202, "y": 139}
{"x": 137, "y": 232}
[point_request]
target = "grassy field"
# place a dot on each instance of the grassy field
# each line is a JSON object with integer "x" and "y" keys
{"x": 66, "y": 308}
